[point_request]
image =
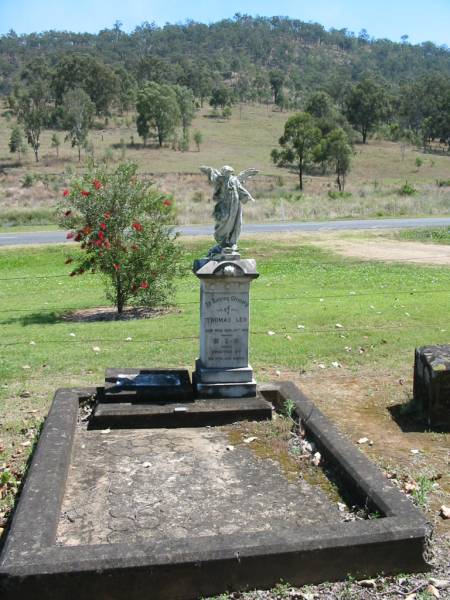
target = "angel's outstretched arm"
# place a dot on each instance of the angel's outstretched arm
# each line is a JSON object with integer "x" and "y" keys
{"x": 211, "y": 172}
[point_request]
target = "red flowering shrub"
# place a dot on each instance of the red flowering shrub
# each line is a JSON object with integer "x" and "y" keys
{"x": 125, "y": 227}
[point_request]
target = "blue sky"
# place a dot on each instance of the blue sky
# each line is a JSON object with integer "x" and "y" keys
{"x": 422, "y": 21}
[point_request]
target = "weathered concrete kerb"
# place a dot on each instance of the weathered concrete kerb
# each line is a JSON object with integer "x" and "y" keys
{"x": 140, "y": 533}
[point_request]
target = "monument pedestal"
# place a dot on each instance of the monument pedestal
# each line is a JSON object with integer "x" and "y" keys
{"x": 222, "y": 370}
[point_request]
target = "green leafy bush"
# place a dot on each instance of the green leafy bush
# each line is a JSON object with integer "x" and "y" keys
{"x": 407, "y": 190}
{"x": 124, "y": 227}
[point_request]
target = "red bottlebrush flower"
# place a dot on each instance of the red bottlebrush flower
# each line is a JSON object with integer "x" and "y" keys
{"x": 107, "y": 215}
{"x": 85, "y": 193}
{"x": 107, "y": 245}
{"x": 137, "y": 226}
{"x": 103, "y": 226}
{"x": 97, "y": 184}
{"x": 86, "y": 230}
{"x": 101, "y": 235}
{"x": 67, "y": 213}
{"x": 77, "y": 238}
{"x": 70, "y": 235}
{"x": 98, "y": 243}
{"x": 116, "y": 266}
{"x": 144, "y": 285}
{"x": 66, "y": 193}
{"x": 68, "y": 261}
{"x": 167, "y": 202}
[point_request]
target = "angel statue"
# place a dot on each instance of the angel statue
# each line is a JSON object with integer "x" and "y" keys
{"x": 228, "y": 195}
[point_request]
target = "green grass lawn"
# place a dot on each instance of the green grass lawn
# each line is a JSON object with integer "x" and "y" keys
{"x": 384, "y": 309}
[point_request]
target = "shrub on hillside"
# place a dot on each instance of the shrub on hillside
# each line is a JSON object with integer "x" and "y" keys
{"x": 407, "y": 190}
{"x": 124, "y": 227}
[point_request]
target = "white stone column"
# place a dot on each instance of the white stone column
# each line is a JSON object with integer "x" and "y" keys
{"x": 223, "y": 369}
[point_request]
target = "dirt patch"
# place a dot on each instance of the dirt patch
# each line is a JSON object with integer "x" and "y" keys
{"x": 107, "y": 313}
{"x": 387, "y": 250}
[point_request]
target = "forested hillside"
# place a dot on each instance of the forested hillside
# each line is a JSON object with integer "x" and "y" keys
{"x": 242, "y": 51}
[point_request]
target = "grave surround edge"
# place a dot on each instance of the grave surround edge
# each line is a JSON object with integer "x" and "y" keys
{"x": 33, "y": 566}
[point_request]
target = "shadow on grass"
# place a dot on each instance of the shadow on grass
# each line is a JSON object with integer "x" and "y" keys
{"x": 89, "y": 315}
{"x": 37, "y": 318}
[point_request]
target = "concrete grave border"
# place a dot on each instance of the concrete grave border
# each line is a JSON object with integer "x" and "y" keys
{"x": 33, "y": 566}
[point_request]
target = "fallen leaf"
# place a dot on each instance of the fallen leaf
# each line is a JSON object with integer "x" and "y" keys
{"x": 444, "y": 511}
{"x": 410, "y": 487}
{"x": 440, "y": 584}
{"x": 339, "y": 326}
{"x": 249, "y": 440}
{"x": 363, "y": 440}
{"x": 433, "y": 591}
{"x": 317, "y": 458}
{"x": 288, "y": 337}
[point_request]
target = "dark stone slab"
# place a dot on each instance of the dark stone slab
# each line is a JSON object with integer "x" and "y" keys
{"x": 147, "y": 385}
{"x": 195, "y": 413}
{"x": 32, "y": 565}
{"x": 432, "y": 383}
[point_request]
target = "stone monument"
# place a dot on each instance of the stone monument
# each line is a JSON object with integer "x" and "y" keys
{"x": 223, "y": 369}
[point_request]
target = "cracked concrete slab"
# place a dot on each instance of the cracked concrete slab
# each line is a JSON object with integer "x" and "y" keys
{"x": 170, "y": 484}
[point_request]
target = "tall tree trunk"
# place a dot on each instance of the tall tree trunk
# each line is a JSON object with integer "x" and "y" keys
{"x": 300, "y": 174}
{"x": 36, "y": 154}
{"x": 79, "y": 153}
{"x": 364, "y": 134}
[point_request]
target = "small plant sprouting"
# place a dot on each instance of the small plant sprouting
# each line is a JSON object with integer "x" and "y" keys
{"x": 289, "y": 407}
{"x": 424, "y": 487}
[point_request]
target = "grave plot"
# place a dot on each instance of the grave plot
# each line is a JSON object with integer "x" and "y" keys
{"x": 182, "y": 512}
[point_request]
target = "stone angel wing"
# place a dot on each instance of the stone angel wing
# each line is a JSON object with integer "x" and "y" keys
{"x": 211, "y": 172}
{"x": 244, "y": 175}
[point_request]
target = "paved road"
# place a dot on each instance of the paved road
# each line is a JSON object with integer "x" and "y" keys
{"x": 57, "y": 237}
